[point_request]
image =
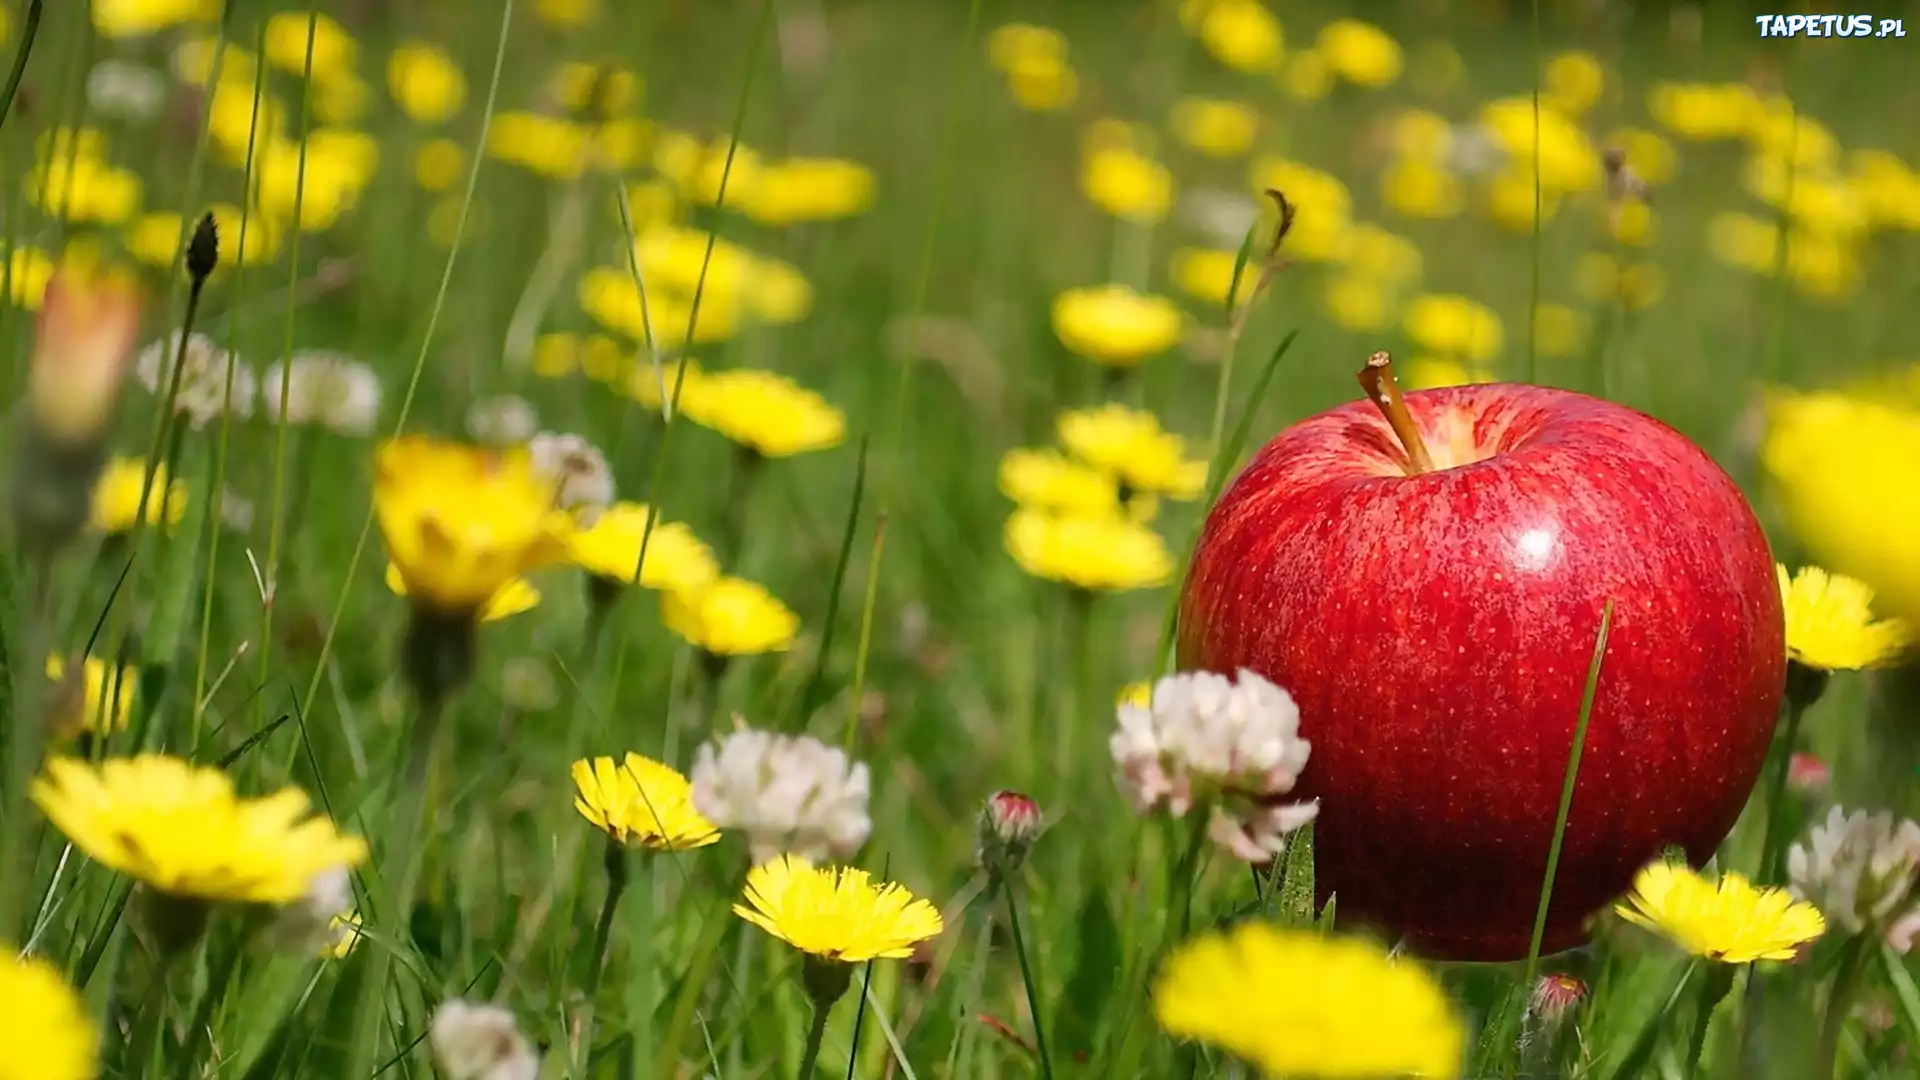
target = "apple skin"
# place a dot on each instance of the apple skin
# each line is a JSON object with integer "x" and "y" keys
{"x": 1436, "y": 631}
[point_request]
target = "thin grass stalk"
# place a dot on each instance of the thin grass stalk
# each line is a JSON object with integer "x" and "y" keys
{"x": 867, "y": 605}
{"x": 1034, "y": 1001}
{"x": 1640, "y": 1052}
{"x": 615, "y": 863}
{"x": 1846, "y": 984}
{"x": 29, "y": 30}
{"x": 860, "y": 1019}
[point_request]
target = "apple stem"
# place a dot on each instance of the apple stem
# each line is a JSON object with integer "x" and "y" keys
{"x": 1382, "y": 389}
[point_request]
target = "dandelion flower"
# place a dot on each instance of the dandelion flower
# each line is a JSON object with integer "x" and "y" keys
{"x": 460, "y": 522}
{"x": 836, "y": 913}
{"x": 1730, "y": 920}
{"x": 767, "y": 413}
{"x": 293, "y": 36}
{"x": 1137, "y": 694}
{"x": 51, "y": 1037}
{"x": 578, "y": 471}
{"x": 677, "y": 560}
{"x": 116, "y": 496}
{"x": 1230, "y": 746}
{"x": 480, "y": 1042}
{"x": 212, "y": 381}
{"x": 515, "y": 597}
{"x": 1242, "y": 34}
{"x": 1359, "y": 52}
{"x": 1114, "y": 325}
{"x": 1216, "y": 127}
{"x": 179, "y": 828}
{"x": 1573, "y": 82}
{"x": 1207, "y": 274}
{"x": 1099, "y": 554}
{"x": 82, "y": 704}
{"x": 1830, "y": 622}
{"x": 730, "y": 616}
{"x": 641, "y": 803}
{"x": 428, "y": 86}
{"x": 810, "y": 189}
{"x": 1127, "y": 184}
{"x": 1455, "y": 326}
{"x": 1432, "y": 372}
{"x": 787, "y": 793}
{"x": 327, "y": 389}
{"x": 1860, "y": 870}
{"x": 1130, "y": 445}
{"x": 1048, "y": 480}
{"x": 1042, "y": 83}
{"x": 437, "y": 165}
{"x": 1299, "y": 1003}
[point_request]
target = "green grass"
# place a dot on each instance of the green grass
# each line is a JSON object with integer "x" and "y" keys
{"x": 924, "y": 649}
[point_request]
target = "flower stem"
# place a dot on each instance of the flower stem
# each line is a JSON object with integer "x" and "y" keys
{"x": 1384, "y": 391}
{"x": 616, "y": 867}
{"x": 816, "y": 1034}
{"x": 1840, "y": 1002}
{"x": 1773, "y": 838}
{"x": 1713, "y": 989}
{"x": 1186, "y": 870}
{"x": 27, "y": 34}
{"x": 145, "y": 1045}
{"x": 1034, "y": 1007}
{"x": 640, "y": 970}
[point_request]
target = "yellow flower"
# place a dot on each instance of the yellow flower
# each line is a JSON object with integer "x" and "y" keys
{"x": 1417, "y": 189}
{"x": 1101, "y": 553}
{"x": 1433, "y": 372}
{"x": 1846, "y": 472}
{"x": 730, "y": 616}
{"x": 1137, "y": 694}
{"x": 1703, "y": 112}
{"x": 116, "y": 495}
{"x": 650, "y": 387}
{"x": 513, "y": 598}
{"x": 100, "y": 684}
{"x": 1573, "y": 82}
{"x": 1568, "y": 161}
{"x": 1635, "y": 286}
{"x": 1216, "y": 127}
{"x": 810, "y": 189}
{"x": 1010, "y": 43}
{"x": 767, "y": 413}
{"x": 1730, "y": 920}
{"x": 699, "y": 168}
{"x": 836, "y": 913}
{"x": 84, "y": 189}
{"x": 337, "y": 166}
{"x": 1131, "y": 445}
{"x": 1207, "y": 274}
{"x": 595, "y": 89}
{"x": 1322, "y": 230}
{"x": 30, "y": 269}
{"x": 1241, "y": 34}
{"x": 1559, "y": 331}
{"x": 1361, "y": 53}
{"x": 667, "y": 318}
{"x": 1041, "y": 83}
{"x": 1358, "y": 302}
{"x": 425, "y": 82}
{"x": 438, "y": 164}
{"x": 1048, "y": 480}
{"x": 1649, "y": 156}
{"x": 1830, "y": 622}
{"x": 566, "y": 13}
{"x": 1127, "y": 184}
{"x": 461, "y": 522}
{"x": 1820, "y": 266}
{"x": 1513, "y": 197}
{"x": 50, "y": 1037}
{"x": 179, "y": 828}
{"x": 343, "y": 934}
{"x": 1743, "y": 241}
{"x": 287, "y": 43}
{"x": 155, "y": 238}
{"x": 1112, "y": 324}
{"x": 140, "y": 18}
{"x": 641, "y": 803}
{"x": 1631, "y": 223}
{"x": 677, "y": 560}
{"x": 1454, "y": 325}
{"x": 1300, "y": 1003}
{"x": 1376, "y": 253}
{"x": 193, "y": 59}
{"x": 548, "y": 145}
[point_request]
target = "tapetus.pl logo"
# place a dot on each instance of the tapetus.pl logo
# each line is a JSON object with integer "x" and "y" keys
{"x": 1815, "y": 26}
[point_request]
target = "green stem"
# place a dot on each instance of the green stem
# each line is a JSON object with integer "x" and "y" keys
{"x": 960, "y": 1054}
{"x": 28, "y": 32}
{"x": 1640, "y": 1051}
{"x": 640, "y": 971}
{"x": 145, "y": 1045}
{"x": 1079, "y": 641}
{"x": 1840, "y": 1003}
{"x": 1774, "y": 838}
{"x": 1713, "y": 990}
{"x": 218, "y": 981}
{"x": 816, "y": 1034}
{"x": 1186, "y": 870}
{"x": 1026, "y": 974}
{"x": 616, "y": 867}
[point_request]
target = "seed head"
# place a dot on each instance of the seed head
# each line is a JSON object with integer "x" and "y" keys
{"x": 203, "y": 250}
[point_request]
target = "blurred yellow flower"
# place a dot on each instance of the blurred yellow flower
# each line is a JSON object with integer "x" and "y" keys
{"x": 1703, "y": 112}
{"x": 438, "y": 164}
{"x": 1777, "y": 129}
{"x": 1816, "y": 201}
{"x": 1888, "y": 189}
{"x": 1650, "y": 156}
{"x": 1131, "y": 445}
{"x": 810, "y": 189}
{"x": 1831, "y": 625}
{"x": 1433, "y": 372}
{"x": 1384, "y": 256}
{"x": 1137, "y": 694}
{"x": 1100, "y": 553}
{"x": 1567, "y": 159}
{"x": 1631, "y": 223}
{"x": 1324, "y": 205}
{"x": 515, "y": 597}
{"x": 85, "y": 706}
{"x": 1820, "y": 266}
{"x": 141, "y": 18}
{"x": 337, "y": 166}
{"x": 767, "y": 413}
{"x": 677, "y": 560}
{"x": 549, "y": 146}
{"x": 461, "y": 522}
{"x": 1846, "y": 472}
{"x": 341, "y": 98}
{"x": 566, "y": 13}
{"x": 52, "y": 1038}
{"x": 1307, "y": 76}
{"x": 640, "y": 802}
{"x": 595, "y": 89}
{"x": 29, "y": 269}
{"x": 1207, "y": 274}
{"x": 667, "y": 319}
{"x": 1454, "y": 326}
{"x": 1241, "y": 34}
{"x": 242, "y": 122}
{"x": 343, "y": 933}
{"x": 836, "y": 913}
{"x": 1302, "y": 1003}
{"x": 1048, "y": 480}
{"x": 1041, "y": 83}
{"x": 425, "y": 82}
{"x": 1730, "y": 920}
{"x": 1359, "y": 52}
{"x": 1558, "y": 331}
{"x": 84, "y": 189}
{"x": 1422, "y": 135}
{"x": 1416, "y": 189}
{"x": 1217, "y": 127}
{"x": 287, "y": 43}
{"x": 180, "y": 829}
{"x": 1127, "y": 184}
{"x": 193, "y": 60}
{"x": 155, "y": 238}
{"x": 730, "y": 616}
{"x": 699, "y": 169}
{"x": 116, "y": 495}
{"x": 650, "y": 387}
{"x": 1114, "y": 325}
{"x": 1635, "y": 286}
{"x": 1572, "y": 82}
{"x": 1358, "y": 302}
{"x": 1010, "y": 43}
{"x": 1743, "y": 241}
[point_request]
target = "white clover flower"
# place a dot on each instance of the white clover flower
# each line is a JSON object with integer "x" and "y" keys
{"x": 125, "y": 90}
{"x": 507, "y": 420}
{"x": 205, "y": 371}
{"x": 324, "y": 388}
{"x": 315, "y": 925}
{"x": 586, "y": 481}
{"x": 480, "y": 1042}
{"x": 788, "y": 793}
{"x": 1231, "y": 746}
{"x": 1859, "y": 869}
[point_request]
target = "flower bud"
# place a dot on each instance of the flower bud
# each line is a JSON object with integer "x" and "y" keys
{"x": 1009, "y": 823}
{"x": 1554, "y": 998}
{"x": 82, "y": 337}
{"x": 1807, "y": 774}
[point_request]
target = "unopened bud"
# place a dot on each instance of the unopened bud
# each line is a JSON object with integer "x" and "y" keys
{"x": 82, "y": 337}
{"x": 1009, "y": 823}
{"x": 1807, "y": 774}
{"x": 1554, "y": 998}
{"x": 203, "y": 250}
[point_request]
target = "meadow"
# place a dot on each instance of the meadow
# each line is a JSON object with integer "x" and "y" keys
{"x": 605, "y": 464}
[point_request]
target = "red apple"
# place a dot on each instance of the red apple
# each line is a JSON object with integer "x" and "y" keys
{"x": 1436, "y": 629}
